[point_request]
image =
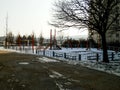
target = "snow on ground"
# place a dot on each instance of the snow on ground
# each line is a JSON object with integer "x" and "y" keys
{"x": 24, "y": 63}
{"x": 55, "y": 74}
{"x": 113, "y": 67}
{"x": 8, "y": 50}
{"x": 44, "y": 59}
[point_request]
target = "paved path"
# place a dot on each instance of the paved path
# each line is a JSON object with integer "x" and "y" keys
{"x": 28, "y": 72}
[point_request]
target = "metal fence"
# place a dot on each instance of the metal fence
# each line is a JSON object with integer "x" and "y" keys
{"x": 78, "y": 56}
{"x": 73, "y": 55}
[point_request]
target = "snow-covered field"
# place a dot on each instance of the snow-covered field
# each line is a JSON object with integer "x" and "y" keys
{"x": 79, "y": 56}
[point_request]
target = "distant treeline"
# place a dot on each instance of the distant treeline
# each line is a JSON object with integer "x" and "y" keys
{"x": 72, "y": 43}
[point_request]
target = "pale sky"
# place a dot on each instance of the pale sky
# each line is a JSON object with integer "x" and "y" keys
{"x": 27, "y": 16}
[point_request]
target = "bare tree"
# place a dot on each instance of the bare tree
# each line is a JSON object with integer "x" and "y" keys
{"x": 96, "y": 15}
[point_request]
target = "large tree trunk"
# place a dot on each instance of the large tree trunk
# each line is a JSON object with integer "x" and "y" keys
{"x": 104, "y": 46}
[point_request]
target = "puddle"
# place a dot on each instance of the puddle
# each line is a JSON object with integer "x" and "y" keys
{"x": 24, "y": 63}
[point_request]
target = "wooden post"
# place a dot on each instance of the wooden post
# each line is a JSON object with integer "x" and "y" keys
{"x": 64, "y": 55}
{"x": 79, "y": 57}
{"x": 112, "y": 56}
{"x": 43, "y": 52}
{"x": 97, "y": 55}
{"x": 53, "y": 53}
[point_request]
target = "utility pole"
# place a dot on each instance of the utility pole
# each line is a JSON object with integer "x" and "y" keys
{"x": 6, "y": 39}
{"x": 51, "y": 39}
{"x": 55, "y": 37}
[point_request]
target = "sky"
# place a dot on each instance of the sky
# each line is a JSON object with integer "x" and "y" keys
{"x": 28, "y": 16}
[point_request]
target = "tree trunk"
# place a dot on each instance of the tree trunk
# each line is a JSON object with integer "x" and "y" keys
{"x": 104, "y": 46}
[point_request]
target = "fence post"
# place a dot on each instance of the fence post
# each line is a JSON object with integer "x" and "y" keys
{"x": 32, "y": 50}
{"x": 64, "y": 55}
{"x": 112, "y": 56}
{"x": 43, "y": 52}
{"x": 36, "y": 51}
{"x": 53, "y": 53}
{"x": 79, "y": 57}
{"x": 97, "y": 55}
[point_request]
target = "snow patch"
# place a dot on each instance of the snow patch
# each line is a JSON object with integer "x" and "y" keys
{"x": 55, "y": 74}
{"x": 44, "y": 59}
{"x": 73, "y": 80}
{"x": 60, "y": 86}
{"x": 112, "y": 67}
{"x": 24, "y": 63}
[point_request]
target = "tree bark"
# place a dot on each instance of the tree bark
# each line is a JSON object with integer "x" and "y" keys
{"x": 104, "y": 46}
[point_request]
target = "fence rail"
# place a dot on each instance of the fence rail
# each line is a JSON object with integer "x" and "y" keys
{"x": 78, "y": 56}
{"x": 72, "y": 55}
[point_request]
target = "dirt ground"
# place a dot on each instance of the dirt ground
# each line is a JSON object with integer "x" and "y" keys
{"x": 35, "y": 75}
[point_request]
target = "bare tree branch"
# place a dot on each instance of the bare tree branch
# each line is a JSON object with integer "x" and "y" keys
{"x": 97, "y": 15}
